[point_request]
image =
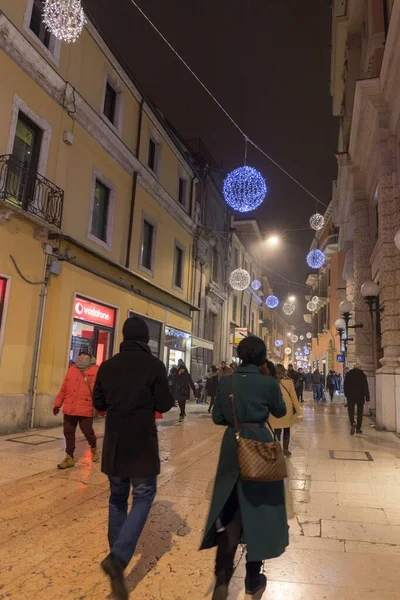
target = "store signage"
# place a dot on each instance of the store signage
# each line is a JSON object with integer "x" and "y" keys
{"x": 91, "y": 312}
{"x": 240, "y": 334}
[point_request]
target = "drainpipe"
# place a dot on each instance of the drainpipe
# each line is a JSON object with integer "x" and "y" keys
{"x": 38, "y": 343}
{"x": 385, "y": 18}
{"x": 134, "y": 186}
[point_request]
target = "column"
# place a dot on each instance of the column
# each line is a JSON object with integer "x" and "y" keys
{"x": 348, "y": 275}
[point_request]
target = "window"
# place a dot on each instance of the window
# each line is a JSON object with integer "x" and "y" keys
{"x": 151, "y": 159}
{"x": 36, "y": 23}
{"x": 246, "y": 265}
{"x": 236, "y": 257}
{"x": 147, "y": 250}
{"x": 182, "y": 192}
{"x": 154, "y": 331}
{"x": 253, "y": 322}
{"x": 234, "y": 308}
{"x": 101, "y": 206}
{"x": 110, "y": 103}
{"x": 3, "y": 285}
{"x": 178, "y": 266}
{"x": 244, "y": 315}
{"x": 214, "y": 268}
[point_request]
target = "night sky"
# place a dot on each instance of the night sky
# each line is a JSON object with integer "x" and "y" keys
{"x": 268, "y": 63}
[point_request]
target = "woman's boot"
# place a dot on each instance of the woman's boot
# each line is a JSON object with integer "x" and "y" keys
{"x": 223, "y": 568}
{"x": 255, "y": 582}
{"x": 286, "y": 451}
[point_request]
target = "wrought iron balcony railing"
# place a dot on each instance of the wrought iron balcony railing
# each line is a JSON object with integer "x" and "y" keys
{"x": 30, "y": 191}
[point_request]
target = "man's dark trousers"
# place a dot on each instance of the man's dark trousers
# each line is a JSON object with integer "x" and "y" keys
{"x": 351, "y": 404}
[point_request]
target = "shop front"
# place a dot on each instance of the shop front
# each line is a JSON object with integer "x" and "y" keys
{"x": 93, "y": 328}
{"x": 177, "y": 347}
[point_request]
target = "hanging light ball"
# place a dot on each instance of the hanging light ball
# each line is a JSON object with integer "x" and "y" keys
{"x": 288, "y": 351}
{"x": 278, "y": 343}
{"x": 239, "y": 280}
{"x": 244, "y": 189}
{"x": 256, "y": 284}
{"x": 288, "y": 308}
{"x": 315, "y": 299}
{"x": 294, "y": 339}
{"x": 309, "y": 335}
{"x": 65, "y": 19}
{"x": 272, "y": 301}
{"x": 317, "y": 222}
{"x": 397, "y": 240}
{"x": 302, "y": 337}
{"x": 306, "y": 352}
{"x": 311, "y": 306}
{"x": 315, "y": 259}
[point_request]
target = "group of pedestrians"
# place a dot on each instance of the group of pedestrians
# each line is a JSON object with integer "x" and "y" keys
{"x": 131, "y": 388}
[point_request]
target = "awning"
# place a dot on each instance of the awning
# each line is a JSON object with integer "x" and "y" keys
{"x": 200, "y": 343}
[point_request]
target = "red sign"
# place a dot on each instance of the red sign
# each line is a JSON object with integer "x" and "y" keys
{"x": 91, "y": 312}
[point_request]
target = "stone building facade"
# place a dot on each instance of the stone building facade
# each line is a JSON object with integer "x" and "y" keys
{"x": 366, "y": 51}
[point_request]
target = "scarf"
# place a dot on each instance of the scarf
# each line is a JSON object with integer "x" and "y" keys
{"x": 84, "y": 363}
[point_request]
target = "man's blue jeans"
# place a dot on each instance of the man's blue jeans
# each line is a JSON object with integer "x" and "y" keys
{"x": 124, "y": 530}
{"x": 317, "y": 391}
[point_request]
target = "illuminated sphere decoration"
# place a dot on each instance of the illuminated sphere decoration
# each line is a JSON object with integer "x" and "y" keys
{"x": 244, "y": 189}
{"x": 272, "y": 301}
{"x": 296, "y": 353}
{"x": 239, "y": 280}
{"x": 306, "y": 352}
{"x": 65, "y": 19}
{"x": 311, "y": 306}
{"x": 397, "y": 240}
{"x": 288, "y": 351}
{"x": 288, "y": 308}
{"x": 256, "y": 284}
{"x": 315, "y": 259}
{"x": 309, "y": 335}
{"x": 302, "y": 337}
{"x": 317, "y": 222}
{"x": 315, "y": 299}
{"x": 294, "y": 339}
{"x": 278, "y": 343}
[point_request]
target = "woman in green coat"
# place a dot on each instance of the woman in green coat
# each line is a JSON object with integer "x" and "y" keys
{"x": 242, "y": 511}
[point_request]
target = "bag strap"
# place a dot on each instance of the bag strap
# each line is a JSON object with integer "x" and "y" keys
{"x": 87, "y": 383}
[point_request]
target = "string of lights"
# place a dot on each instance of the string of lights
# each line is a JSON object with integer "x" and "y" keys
{"x": 226, "y": 113}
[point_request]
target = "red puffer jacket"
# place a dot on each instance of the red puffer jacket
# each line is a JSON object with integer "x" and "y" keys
{"x": 74, "y": 394}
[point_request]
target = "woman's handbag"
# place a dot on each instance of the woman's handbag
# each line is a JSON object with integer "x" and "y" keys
{"x": 258, "y": 461}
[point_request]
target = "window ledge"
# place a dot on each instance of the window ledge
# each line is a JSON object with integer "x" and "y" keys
{"x": 149, "y": 272}
{"x": 99, "y": 242}
{"x": 114, "y": 128}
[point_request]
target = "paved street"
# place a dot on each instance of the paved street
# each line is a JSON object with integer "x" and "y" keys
{"x": 342, "y": 501}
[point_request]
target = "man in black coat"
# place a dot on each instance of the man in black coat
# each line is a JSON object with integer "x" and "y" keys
{"x": 356, "y": 391}
{"x": 183, "y": 383}
{"x": 131, "y": 386}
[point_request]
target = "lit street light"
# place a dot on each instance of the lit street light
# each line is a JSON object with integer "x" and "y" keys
{"x": 273, "y": 240}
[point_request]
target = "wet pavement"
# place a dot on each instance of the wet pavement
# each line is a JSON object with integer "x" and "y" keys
{"x": 342, "y": 497}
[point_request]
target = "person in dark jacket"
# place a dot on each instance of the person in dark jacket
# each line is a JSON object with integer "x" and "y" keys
{"x": 292, "y": 374}
{"x": 299, "y": 385}
{"x": 212, "y": 386}
{"x": 331, "y": 384}
{"x": 308, "y": 377}
{"x": 318, "y": 385}
{"x": 356, "y": 391}
{"x": 245, "y": 511}
{"x": 172, "y": 381}
{"x": 131, "y": 387}
{"x": 183, "y": 383}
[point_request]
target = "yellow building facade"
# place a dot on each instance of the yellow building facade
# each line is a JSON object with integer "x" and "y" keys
{"x": 96, "y": 214}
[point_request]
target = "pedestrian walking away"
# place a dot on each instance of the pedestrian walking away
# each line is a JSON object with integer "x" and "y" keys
{"x": 243, "y": 511}
{"x": 331, "y": 384}
{"x": 293, "y": 409}
{"x": 308, "y": 377}
{"x": 75, "y": 397}
{"x": 132, "y": 387}
{"x": 356, "y": 391}
{"x": 184, "y": 383}
{"x": 212, "y": 386}
{"x": 300, "y": 385}
{"x": 318, "y": 385}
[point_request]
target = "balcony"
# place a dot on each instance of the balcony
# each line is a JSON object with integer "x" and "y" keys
{"x": 29, "y": 191}
{"x": 330, "y": 245}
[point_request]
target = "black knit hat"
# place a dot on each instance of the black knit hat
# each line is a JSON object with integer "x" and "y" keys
{"x": 85, "y": 350}
{"x": 252, "y": 351}
{"x": 135, "y": 329}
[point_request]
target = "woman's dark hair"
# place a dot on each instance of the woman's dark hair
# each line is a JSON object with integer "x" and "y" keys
{"x": 271, "y": 368}
{"x": 252, "y": 351}
{"x": 214, "y": 369}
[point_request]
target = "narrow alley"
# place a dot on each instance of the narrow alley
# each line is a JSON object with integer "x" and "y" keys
{"x": 342, "y": 499}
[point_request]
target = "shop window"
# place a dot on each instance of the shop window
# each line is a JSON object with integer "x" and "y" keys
{"x": 93, "y": 328}
{"x": 177, "y": 346}
{"x": 234, "y": 309}
{"x": 101, "y": 214}
{"x": 148, "y": 244}
{"x": 179, "y": 266}
{"x": 183, "y": 192}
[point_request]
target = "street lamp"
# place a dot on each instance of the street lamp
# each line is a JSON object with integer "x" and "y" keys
{"x": 345, "y": 308}
{"x": 273, "y": 240}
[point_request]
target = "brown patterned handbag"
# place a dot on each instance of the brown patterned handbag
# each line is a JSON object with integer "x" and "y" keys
{"x": 258, "y": 461}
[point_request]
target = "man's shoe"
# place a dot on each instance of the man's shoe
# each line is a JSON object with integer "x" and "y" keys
{"x": 286, "y": 450}
{"x": 359, "y": 431}
{"x": 95, "y": 455}
{"x": 181, "y": 418}
{"x": 67, "y": 463}
{"x": 220, "y": 591}
{"x": 352, "y": 430}
{"x": 256, "y": 586}
{"x": 115, "y": 572}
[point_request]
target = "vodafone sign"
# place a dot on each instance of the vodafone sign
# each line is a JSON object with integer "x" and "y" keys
{"x": 84, "y": 310}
